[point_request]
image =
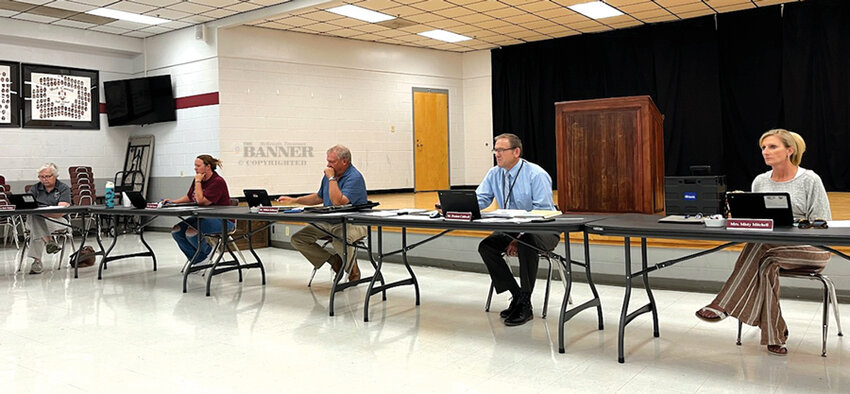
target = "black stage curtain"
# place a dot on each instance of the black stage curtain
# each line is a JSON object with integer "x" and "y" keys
{"x": 720, "y": 84}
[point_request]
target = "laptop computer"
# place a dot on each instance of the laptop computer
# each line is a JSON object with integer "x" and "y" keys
{"x": 136, "y": 199}
{"x": 762, "y": 205}
{"x": 23, "y": 201}
{"x": 460, "y": 201}
{"x": 257, "y": 197}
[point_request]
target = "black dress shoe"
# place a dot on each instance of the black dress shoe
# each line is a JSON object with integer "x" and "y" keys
{"x": 507, "y": 312}
{"x": 521, "y": 315}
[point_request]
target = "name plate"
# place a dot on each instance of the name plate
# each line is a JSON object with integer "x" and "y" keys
{"x": 152, "y": 205}
{"x": 750, "y": 224}
{"x": 269, "y": 210}
{"x": 464, "y": 216}
{"x": 7, "y": 207}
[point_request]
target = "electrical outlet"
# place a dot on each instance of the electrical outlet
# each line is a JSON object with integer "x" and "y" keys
{"x": 286, "y": 231}
{"x": 181, "y": 172}
{"x": 392, "y": 129}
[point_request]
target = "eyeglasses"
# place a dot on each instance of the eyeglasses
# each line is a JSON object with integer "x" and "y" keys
{"x": 502, "y": 150}
{"x": 45, "y": 176}
{"x": 816, "y": 223}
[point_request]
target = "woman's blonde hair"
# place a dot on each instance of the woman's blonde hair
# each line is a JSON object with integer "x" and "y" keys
{"x": 791, "y": 140}
{"x": 210, "y": 161}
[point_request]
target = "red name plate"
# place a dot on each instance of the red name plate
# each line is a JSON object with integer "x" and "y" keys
{"x": 7, "y": 207}
{"x": 269, "y": 210}
{"x": 152, "y": 205}
{"x": 750, "y": 224}
{"x": 465, "y": 216}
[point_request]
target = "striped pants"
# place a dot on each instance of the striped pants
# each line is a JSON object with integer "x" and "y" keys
{"x": 751, "y": 294}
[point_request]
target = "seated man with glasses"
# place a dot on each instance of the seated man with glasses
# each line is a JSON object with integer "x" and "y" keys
{"x": 48, "y": 192}
{"x": 515, "y": 183}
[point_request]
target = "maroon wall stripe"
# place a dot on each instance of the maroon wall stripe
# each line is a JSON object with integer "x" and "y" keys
{"x": 198, "y": 100}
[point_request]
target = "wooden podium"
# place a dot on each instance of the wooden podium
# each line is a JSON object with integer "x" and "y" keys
{"x": 610, "y": 155}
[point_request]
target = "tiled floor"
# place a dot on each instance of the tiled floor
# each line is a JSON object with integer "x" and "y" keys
{"x": 135, "y": 331}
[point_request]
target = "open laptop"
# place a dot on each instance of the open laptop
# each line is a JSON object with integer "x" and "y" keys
{"x": 136, "y": 199}
{"x": 23, "y": 201}
{"x": 762, "y": 205}
{"x": 257, "y": 197}
{"x": 460, "y": 201}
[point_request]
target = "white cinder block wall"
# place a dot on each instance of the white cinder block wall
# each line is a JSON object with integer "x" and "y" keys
{"x": 193, "y": 66}
{"x": 293, "y": 90}
{"x": 26, "y": 149}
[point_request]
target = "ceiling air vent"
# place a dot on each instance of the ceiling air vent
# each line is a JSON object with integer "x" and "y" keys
{"x": 396, "y": 23}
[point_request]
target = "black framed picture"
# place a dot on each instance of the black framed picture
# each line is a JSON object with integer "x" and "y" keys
{"x": 10, "y": 94}
{"x": 60, "y": 97}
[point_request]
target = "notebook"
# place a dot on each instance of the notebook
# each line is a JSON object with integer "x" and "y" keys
{"x": 762, "y": 205}
{"x": 257, "y": 197}
{"x": 460, "y": 201}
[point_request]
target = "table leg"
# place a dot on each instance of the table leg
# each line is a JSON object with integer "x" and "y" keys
{"x": 407, "y": 264}
{"x": 624, "y": 312}
{"x": 380, "y": 263}
{"x": 645, "y": 275}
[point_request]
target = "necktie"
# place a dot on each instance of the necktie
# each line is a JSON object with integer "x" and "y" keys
{"x": 508, "y": 192}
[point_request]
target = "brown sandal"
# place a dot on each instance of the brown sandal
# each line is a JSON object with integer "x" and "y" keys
{"x": 777, "y": 350}
{"x": 716, "y": 314}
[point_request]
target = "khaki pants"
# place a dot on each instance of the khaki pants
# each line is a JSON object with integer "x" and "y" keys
{"x": 41, "y": 227}
{"x": 305, "y": 239}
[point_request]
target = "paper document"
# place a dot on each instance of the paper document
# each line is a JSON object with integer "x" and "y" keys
{"x": 838, "y": 223}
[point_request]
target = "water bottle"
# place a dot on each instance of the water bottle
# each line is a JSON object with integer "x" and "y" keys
{"x": 110, "y": 195}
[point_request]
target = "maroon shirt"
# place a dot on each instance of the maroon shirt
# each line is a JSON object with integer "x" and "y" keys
{"x": 214, "y": 190}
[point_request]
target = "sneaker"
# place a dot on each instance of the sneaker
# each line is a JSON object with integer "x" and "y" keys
{"x": 36, "y": 267}
{"x": 52, "y": 248}
{"x": 203, "y": 261}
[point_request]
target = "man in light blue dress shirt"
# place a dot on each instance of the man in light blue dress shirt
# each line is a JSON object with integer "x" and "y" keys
{"x": 515, "y": 184}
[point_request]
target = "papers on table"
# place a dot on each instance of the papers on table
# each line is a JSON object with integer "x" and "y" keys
{"x": 520, "y": 213}
{"x": 838, "y": 223}
{"x": 506, "y": 220}
{"x": 687, "y": 219}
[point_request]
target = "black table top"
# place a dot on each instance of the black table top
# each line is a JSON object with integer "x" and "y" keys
{"x": 45, "y": 210}
{"x": 119, "y": 210}
{"x": 647, "y": 226}
{"x": 563, "y": 223}
{"x": 244, "y": 213}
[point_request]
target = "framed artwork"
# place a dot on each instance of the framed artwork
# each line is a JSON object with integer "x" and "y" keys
{"x": 10, "y": 94}
{"x": 60, "y": 98}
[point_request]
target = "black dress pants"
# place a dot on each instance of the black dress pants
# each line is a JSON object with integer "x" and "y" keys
{"x": 492, "y": 251}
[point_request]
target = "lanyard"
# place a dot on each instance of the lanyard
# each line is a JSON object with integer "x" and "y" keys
{"x": 507, "y": 196}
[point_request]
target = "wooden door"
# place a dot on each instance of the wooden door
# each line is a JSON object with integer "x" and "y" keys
{"x": 430, "y": 139}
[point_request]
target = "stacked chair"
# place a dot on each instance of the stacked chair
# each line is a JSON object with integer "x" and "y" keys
{"x": 10, "y": 224}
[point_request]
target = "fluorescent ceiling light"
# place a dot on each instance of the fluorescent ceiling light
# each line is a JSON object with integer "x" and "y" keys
{"x": 353, "y": 11}
{"x": 595, "y": 10}
{"x": 443, "y": 35}
{"x": 127, "y": 16}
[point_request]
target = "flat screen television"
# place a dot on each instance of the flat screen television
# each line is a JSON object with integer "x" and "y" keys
{"x": 140, "y": 101}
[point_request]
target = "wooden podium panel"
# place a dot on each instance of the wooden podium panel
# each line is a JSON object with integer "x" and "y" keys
{"x": 610, "y": 155}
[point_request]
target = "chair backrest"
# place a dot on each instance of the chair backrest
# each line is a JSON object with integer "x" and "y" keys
{"x": 2, "y": 180}
{"x": 234, "y": 202}
{"x": 83, "y": 191}
{"x": 27, "y": 188}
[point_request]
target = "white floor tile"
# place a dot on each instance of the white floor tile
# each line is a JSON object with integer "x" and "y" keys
{"x": 136, "y": 331}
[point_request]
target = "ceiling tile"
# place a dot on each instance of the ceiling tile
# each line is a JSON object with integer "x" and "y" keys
{"x": 191, "y": 8}
{"x": 195, "y": 19}
{"x": 474, "y": 18}
{"x": 70, "y": 23}
{"x": 347, "y": 22}
{"x": 537, "y": 25}
{"x": 93, "y": 19}
{"x": 322, "y": 27}
{"x": 15, "y": 7}
{"x": 524, "y": 18}
{"x": 174, "y": 25}
{"x": 485, "y": 6}
{"x": 374, "y": 5}
{"x": 403, "y": 11}
{"x": 508, "y": 29}
{"x": 219, "y": 13}
{"x": 35, "y": 18}
{"x": 492, "y": 24}
{"x": 168, "y": 14}
{"x": 595, "y": 29}
{"x": 735, "y": 7}
{"x": 156, "y": 29}
{"x": 445, "y": 24}
{"x": 216, "y": 3}
{"x": 660, "y": 18}
{"x": 138, "y": 34}
{"x": 321, "y": 16}
{"x": 632, "y": 22}
{"x": 109, "y": 29}
{"x": 689, "y": 7}
{"x": 424, "y": 17}
{"x": 729, "y": 3}
{"x": 295, "y": 21}
{"x": 266, "y": 3}
{"x": 694, "y": 14}
{"x": 368, "y": 37}
{"x": 243, "y": 6}
{"x": 158, "y": 3}
{"x": 550, "y": 30}
{"x": 129, "y": 6}
{"x": 35, "y": 2}
{"x": 517, "y": 2}
{"x": 619, "y": 3}
{"x": 51, "y": 12}
{"x": 126, "y": 25}
{"x": 638, "y": 7}
{"x": 505, "y": 12}
{"x": 99, "y": 3}
{"x": 432, "y": 5}
{"x": 554, "y": 13}
{"x": 454, "y": 12}
{"x": 539, "y": 6}
{"x": 72, "y": 6}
